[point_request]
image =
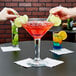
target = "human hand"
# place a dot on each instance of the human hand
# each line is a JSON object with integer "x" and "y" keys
{"x": 7, "y": 13}
{"x": 63, "y": 12}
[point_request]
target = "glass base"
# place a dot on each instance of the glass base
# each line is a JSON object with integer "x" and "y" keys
{"x": 15, "y": 45}
{"x": 36, "y": 63}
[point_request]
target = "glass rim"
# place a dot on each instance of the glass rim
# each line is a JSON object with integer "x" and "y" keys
{"x": 37, "y": 19}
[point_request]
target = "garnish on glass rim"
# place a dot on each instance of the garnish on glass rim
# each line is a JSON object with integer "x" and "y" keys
{"x": 54, "y": 19}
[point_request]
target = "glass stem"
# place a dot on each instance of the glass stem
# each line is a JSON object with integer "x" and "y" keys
{"x": 37, "y": 49}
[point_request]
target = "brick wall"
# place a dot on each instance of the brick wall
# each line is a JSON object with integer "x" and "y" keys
{"x": 33, "y": 8}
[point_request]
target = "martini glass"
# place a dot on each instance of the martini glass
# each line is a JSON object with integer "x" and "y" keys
{"x": 37, "y": 29}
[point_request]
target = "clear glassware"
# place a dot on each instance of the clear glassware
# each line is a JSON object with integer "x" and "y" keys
{"x": 37, "y": 28}
{"x": 57, "y": 41}
{"x": 15, "y": 36}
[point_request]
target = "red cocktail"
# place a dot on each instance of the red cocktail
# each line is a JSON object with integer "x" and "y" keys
{"x": 37, "y": 29}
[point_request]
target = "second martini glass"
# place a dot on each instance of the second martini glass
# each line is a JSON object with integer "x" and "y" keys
{"x": 37, "y": 29}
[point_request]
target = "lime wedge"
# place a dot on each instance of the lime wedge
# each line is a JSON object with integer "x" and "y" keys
{"x": 16, "y": 37}
{"x": 26, "y": 18}
{"x": 15, "y": 40}
{"x": 20, "y": 20}
{"x": 54, "y": 19}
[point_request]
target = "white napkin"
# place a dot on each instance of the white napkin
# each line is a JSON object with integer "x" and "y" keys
{"x": 10, "y": 48}
{"x": 48, "y": 62}
{"x": 62, "y": 51}
{"x": 24, "y": 62}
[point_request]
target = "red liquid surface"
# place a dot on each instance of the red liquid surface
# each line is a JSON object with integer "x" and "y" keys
{"x": 37, "y": 28}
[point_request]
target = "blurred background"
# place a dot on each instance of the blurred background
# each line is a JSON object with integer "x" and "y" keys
{"x": 34, "y": 9}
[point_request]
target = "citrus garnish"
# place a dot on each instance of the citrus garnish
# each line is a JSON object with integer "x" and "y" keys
{"x": 63, "y": 35}
{"x": 20, "y": 20}
{"x": 54, "y": 19}
{"x": 15, "y": 40}
{"x": 16, "y": 37}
